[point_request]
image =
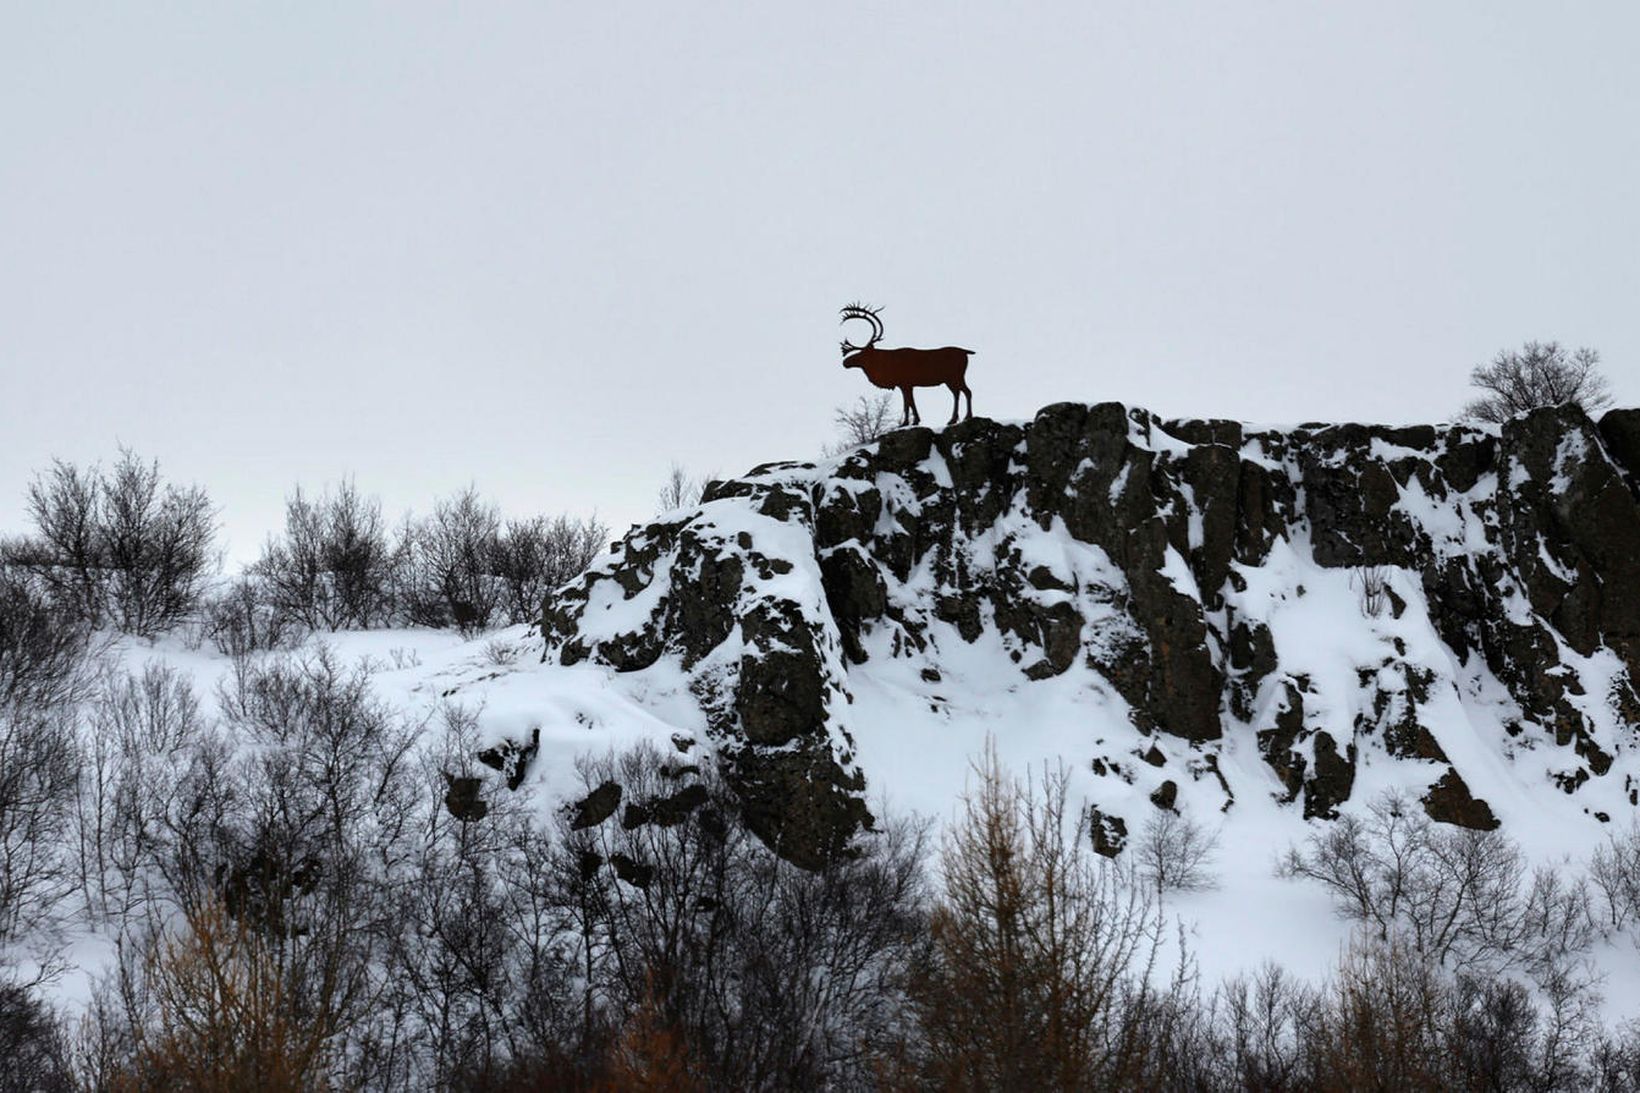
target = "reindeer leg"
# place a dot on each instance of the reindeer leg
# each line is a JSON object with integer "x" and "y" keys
{"x": 970, "y": 395}
{"x": 956, "y": 402}
{"x": 911, "y": 401}
{"x": 905, "y": 407}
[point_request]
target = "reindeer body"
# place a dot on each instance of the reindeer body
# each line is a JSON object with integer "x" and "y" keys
{"x": 908, "y": 369}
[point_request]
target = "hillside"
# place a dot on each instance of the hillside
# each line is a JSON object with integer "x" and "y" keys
{"x": 1257, "y": 633}
{"x": 1197, "y": 615}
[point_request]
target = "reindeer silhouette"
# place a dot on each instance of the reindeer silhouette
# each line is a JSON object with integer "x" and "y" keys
{"x": 908, "y": 368}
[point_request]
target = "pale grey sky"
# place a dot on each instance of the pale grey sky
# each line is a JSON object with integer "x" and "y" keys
{"x": 550, "y": 248}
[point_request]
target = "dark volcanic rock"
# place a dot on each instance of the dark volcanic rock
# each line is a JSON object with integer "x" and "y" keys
{"x": 1109, "y": 833}
{"x": 1620, "y": 429}
{"x": 1334, "y": 774}
{"x": 1449, "y": 802}
{"x": 1100, "y": 543}
{"x": 512, "y": 759}
{"x": 463, "y": 800}
{"x": 596, "y": 807}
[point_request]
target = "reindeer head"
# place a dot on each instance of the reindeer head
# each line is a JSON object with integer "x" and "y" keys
{"x": 869, "y": 314}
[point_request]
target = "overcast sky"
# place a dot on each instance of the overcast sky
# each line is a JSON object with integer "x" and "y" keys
{"x": 551, "y": 248}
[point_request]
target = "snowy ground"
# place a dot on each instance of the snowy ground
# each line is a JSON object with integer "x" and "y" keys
{"x": 916, "y": 741}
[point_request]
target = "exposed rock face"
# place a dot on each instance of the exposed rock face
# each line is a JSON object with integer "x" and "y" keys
{"x": 1185, "y": 566}
{"x": 1449, "y": 802}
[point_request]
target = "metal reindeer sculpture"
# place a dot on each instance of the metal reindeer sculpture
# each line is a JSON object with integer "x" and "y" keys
{"x": 908, "y": 368}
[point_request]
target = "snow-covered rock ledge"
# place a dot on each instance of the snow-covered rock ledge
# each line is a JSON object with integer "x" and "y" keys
{"x": 1298, "y": 614}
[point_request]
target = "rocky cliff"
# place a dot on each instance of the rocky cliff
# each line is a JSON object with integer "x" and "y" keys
{"x": 1437, "y": 602}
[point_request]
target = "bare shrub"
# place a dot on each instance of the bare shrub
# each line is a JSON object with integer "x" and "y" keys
{"x": 242, "y": 621}
{"x": 1371, "y": 582}
{"x": 1614, "y": 1060}
{"x": 680, "y": 490}
{"x": 119, "y": 547}
{"x": 1538, "y": 374}
{"x": 287, "y": 851}
{"x": 532, "y": 557}
{"x": 501, "y": 653}
{"x": 1379, "y": 1027}
{"x": 1461, "y": 897}
{"x": 303, "y": 835}
{"x": 66, "y": 506}
{"x": 213, "y": 1008}
{"x": 1393, "y": 1018}
{"x": 862, "y": 421}
{"x": 463, "y": 953}
{"x": 1389, "y": 1017}
{"x": 1175, "y": 854}
{"x": 402, "y": 657}
{"x": 157, "y": 546}
{"x": 1255, "y": 1037}
{"x": 446, "y": 576}
{"x": 651, "y": 1053}
{"x": 464, "y": 567}
{"x": 333, "y": 568}
{"x": 1037, "y": 952}
{"x": 1614, "y": 871}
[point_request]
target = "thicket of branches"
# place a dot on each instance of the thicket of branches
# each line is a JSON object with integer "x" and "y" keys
{"x": 119, "y": 548}
{"x": 337, "y": 566}
{"x": 303, "y": 899}
{"x": 309, "y": 891}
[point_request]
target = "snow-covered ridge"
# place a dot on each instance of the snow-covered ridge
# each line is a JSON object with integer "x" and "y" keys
{"x": 1197, "y": 615}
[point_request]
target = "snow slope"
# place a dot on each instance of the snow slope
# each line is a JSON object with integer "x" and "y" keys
{"x": 1177, "y": 612}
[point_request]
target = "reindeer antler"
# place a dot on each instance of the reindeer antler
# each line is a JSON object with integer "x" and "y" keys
{"x": 859, "y": 310}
